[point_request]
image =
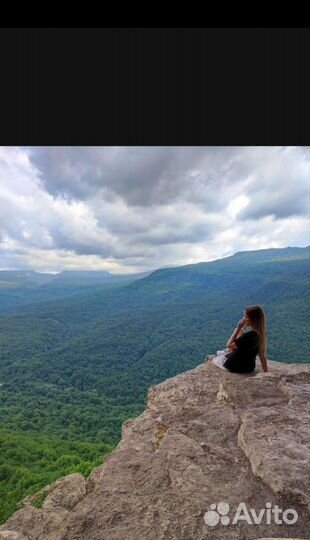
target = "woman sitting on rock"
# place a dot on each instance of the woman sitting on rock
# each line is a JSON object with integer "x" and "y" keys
{"x": 245, "y": 345}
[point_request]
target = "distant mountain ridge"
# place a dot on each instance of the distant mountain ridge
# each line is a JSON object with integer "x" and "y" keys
{"x": 30, "y": 278}
{"x": 88, "y": 277}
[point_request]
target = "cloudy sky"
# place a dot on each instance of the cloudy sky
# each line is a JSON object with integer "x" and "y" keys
{"x": 132, "y": 209}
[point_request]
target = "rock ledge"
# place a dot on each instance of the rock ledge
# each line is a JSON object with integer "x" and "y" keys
{"x": 207, "y": 436}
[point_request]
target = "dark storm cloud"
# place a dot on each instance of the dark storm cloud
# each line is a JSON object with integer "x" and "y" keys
{"x": 153, "y": 176}
{"x": 142, "y": 176}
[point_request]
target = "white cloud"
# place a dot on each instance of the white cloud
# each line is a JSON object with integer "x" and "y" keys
{"x": 237, "y": 204}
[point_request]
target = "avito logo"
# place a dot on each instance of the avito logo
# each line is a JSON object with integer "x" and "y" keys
{"x": 218, "y": 513}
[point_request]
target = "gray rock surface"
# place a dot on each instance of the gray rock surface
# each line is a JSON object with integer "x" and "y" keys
{"x": 207, "y": 436}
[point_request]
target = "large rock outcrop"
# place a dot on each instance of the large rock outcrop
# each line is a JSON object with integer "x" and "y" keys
{"x": 206, "y": 437}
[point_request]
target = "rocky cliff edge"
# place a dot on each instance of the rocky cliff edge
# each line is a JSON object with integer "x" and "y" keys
{"x": 208, "y": 442}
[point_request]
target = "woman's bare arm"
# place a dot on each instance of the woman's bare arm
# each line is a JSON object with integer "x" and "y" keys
{"x": 232, "y": 346}
{"x": 236, "y": 333}
{"x": 263, "y": 360}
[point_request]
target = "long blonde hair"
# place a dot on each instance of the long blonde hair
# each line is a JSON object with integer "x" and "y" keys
{"x": 258, "y": 322}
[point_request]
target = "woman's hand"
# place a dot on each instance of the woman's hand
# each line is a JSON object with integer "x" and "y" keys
{"x": 241, "y": 323}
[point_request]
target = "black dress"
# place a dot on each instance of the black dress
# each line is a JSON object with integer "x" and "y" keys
{"x": 242, "y": 359}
